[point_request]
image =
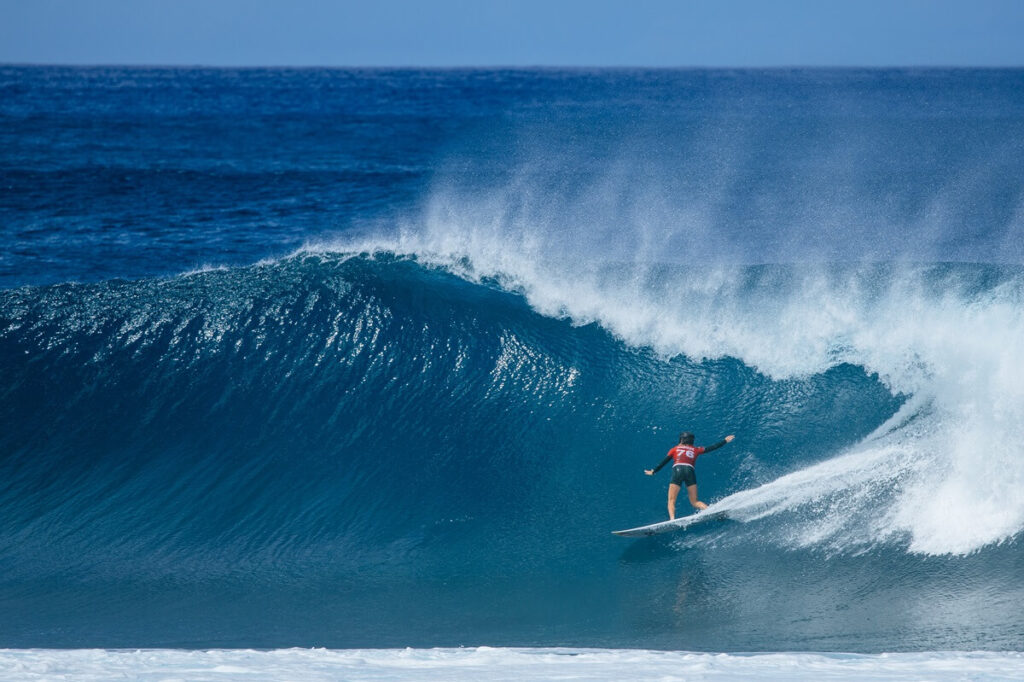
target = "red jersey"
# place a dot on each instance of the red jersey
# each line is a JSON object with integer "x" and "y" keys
{"x": 685, "y": 454}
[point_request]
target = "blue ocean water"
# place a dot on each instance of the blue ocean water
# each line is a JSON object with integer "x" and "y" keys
{"x": 376, "y": 358}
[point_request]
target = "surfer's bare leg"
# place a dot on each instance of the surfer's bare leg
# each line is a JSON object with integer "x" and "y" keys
{"x": 673, "y": 492}
{"x": 691, "y": 490}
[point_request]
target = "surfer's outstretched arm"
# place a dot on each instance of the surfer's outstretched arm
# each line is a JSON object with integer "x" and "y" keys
{"x": 651, "y": 472}
{"x": 719, "y": 444}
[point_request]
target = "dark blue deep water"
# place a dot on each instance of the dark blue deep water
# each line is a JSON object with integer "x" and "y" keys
{"x": 376, "y": 358}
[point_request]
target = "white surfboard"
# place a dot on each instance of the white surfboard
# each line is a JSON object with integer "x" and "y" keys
{"x": 675, "y": 524}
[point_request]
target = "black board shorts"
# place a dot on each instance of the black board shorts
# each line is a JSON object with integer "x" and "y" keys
{"x": 684, "y": 475}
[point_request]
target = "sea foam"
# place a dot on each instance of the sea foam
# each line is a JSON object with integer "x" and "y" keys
{"x": 486, "y": 664}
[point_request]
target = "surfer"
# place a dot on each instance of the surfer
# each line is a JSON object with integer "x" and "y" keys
{"x": 683, "y": 457}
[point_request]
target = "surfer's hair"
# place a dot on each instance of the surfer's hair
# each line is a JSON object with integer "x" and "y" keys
{"x": 686, "y": 438}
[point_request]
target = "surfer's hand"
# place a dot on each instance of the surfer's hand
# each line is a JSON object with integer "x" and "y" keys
{"x": 728, "y": 439}
{"x": 649, "y": 472}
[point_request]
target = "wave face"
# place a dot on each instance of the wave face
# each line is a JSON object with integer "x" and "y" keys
{"x": 324, "y": 441}
{"x": 452, "y": 317}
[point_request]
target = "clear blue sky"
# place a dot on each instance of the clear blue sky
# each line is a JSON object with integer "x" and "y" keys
{"x": 515, "y": 32}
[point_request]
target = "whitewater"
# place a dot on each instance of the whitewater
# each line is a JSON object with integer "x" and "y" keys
{"x": 368, "y": 405}
{"x": 489, "y": 664}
